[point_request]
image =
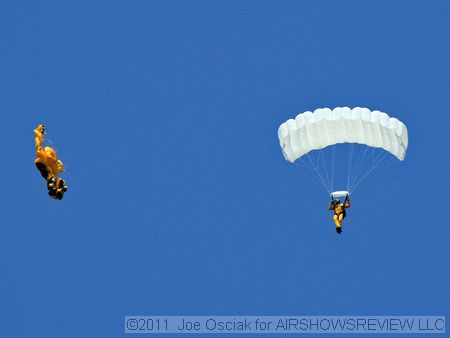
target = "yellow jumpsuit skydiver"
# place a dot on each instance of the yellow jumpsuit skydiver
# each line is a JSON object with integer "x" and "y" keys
{"x": 339, "y": 212}
{"x": 48, "y": 165}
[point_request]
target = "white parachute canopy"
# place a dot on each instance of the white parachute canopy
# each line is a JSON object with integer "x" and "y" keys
{"x": 325, "y": 127}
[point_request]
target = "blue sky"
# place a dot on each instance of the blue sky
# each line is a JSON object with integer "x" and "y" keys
{"x": 180, "y": 202}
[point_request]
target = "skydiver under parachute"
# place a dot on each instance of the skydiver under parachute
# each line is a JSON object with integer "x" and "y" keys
{"x": 339, "y": 211}
{"x": 313, "y": 132}
{"x": 49, "y": 166}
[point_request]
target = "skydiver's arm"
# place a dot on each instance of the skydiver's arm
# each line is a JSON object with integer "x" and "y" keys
{"x": 347, "y": 203}
{"x": 331, "y": 206}
{"x": 39, "y": 137}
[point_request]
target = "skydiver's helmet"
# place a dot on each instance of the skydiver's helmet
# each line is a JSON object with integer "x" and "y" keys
{"x": 339, "y": 230}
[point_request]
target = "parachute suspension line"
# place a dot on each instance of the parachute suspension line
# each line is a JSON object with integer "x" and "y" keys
{"x": 379, "y": 161}
{"x": 360, "y": 165}
{"x": 326, "y": 169}
{"x": 363, "y": 169}
{"x": 311, "y": 175}
{"x": 376, "y": 165}
{"x": 318, "y": 173}
{"x": 350, "y": 156}
{"x": 371, "y": 158}
{"x": 358, "y": 159}
{"x": 332, "y": 168}
{"x": 48, "y": 141}
{"x": 306, "y": 167}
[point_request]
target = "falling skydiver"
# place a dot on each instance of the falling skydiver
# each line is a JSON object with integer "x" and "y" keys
{"x": 49, "y": 166}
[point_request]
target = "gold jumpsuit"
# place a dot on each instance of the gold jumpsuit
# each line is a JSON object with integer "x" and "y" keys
{"x": 339, "y": 212}
{"x": 48, "y": 164}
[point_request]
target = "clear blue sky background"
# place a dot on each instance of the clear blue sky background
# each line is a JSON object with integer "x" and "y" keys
{"x": 180, "y": 202}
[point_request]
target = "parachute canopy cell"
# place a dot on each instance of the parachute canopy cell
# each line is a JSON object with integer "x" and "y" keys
{"x": 324, "y": 127}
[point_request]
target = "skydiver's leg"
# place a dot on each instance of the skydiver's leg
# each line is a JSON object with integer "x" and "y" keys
{"x": 341, "y": 218}
{"x": 336, "y": 220}
{"x": 43, "y": 169}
